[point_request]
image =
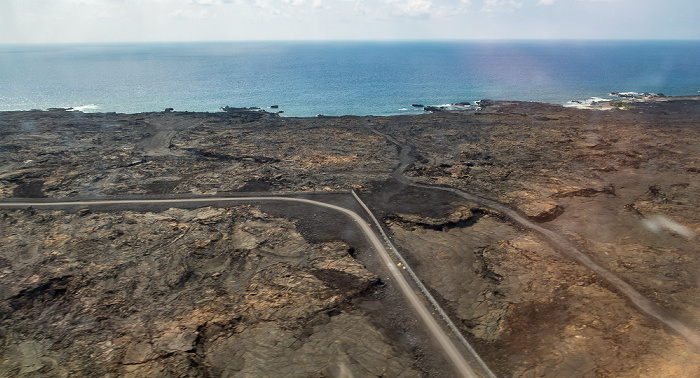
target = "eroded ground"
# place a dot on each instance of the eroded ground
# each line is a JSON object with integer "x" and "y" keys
{"x": 203, "y": 292}
{"x": 621, "y": 184}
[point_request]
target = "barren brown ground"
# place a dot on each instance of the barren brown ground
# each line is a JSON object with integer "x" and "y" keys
{"x": 599, "y": 178}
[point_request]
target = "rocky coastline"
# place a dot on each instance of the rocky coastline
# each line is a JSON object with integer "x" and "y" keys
{"x": 262, "y": 289}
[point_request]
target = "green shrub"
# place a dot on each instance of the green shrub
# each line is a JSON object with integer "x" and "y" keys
{"x": 621, "y": 105}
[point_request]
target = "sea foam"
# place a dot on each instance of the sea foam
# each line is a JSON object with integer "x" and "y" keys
{"x": 85, "y": 108}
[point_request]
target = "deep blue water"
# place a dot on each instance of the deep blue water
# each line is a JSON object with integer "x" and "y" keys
{"x": 336, "y": 78}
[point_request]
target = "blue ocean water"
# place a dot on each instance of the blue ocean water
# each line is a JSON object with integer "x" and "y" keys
{"x": 337, "y": 78}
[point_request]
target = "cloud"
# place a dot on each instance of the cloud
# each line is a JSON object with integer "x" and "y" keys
{"x": 190, "y": 15}
{"x": 294, "y": 2}
{"x": 204, "y": 2}
{"x": 411, "y": 8}
{"x": 45, "y": 21}
{"x": 83, "y": 2}
{"x": 501, "y": 6}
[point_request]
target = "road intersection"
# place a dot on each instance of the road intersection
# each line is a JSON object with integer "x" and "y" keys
{"x": 472, "y": 369}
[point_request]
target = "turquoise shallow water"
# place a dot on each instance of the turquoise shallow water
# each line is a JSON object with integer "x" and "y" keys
{"x": 337, "y": 78}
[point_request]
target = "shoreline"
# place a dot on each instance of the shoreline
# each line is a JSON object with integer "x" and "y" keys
{"x": 204, "y": 78}
{"x": 597, "y": 103}
{"x": 605, "y": 103}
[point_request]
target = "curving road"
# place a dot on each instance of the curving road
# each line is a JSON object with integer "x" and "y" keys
{"x": 557, "y": 241}
{"x": 483, "y": 368}
{"x": 453, "y": 354}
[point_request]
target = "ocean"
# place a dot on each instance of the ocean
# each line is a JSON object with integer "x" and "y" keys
{"x": 337, "y": 78}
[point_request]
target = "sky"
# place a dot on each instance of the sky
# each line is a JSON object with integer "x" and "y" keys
{"x": 96, "y": 21}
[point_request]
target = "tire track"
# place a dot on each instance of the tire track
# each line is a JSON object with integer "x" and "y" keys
{"x": 555, "y": 240}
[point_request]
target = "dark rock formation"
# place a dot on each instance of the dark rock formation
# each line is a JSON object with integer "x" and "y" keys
{"x": 237, "y": 291}
{"x": 204, "y": 292}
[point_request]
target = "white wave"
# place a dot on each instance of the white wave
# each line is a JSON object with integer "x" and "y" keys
{"x": 586, "y": 103}
{"x": 84, "y": 108}
{"x": 403, "y": 109}
{"x": 454, "y": 107}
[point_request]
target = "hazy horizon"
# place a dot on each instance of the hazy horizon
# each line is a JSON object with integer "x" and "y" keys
{"x": 340, "y": 41}
{"x": 131, "y": 21}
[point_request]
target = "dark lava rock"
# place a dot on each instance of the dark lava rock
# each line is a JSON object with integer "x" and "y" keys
{"x": 29, "y": 189}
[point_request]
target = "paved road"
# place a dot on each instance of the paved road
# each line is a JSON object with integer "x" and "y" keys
{"x": 557, "y": 241}
{"x": 443, "y": 340}
{"x": 474, "y": 357}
